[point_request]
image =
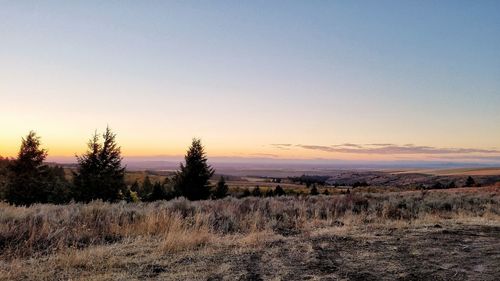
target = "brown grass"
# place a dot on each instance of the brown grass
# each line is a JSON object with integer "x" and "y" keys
{"x": 495, "y": 171}
{"x": 73, "y": 236}
{"x": 43, "y": 229}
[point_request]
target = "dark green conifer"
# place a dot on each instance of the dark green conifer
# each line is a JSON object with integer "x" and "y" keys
{"x": 100, "y": 174}
{"x": 278, "y": 191}
{"x": 192, "y": 180}
{"x": 256, "y": 192}
{"x": 314, "y": 190}
{"x": 470, "y": 182}
{"x": 221, "y": 189}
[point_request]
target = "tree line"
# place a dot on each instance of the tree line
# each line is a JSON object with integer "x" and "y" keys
{"x": 99, "y": 175}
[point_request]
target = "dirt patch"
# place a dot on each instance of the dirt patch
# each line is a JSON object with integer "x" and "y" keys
{"x": 458, "y": 253}
{"x": 449, "y": 251}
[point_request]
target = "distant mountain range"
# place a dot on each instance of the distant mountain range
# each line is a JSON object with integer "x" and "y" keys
{"x": 172, "y": 163}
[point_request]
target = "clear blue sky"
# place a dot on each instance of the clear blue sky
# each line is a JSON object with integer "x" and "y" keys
{"x": 244, "y": 75}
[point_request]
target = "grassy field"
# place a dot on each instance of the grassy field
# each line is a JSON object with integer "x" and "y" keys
{"x": 455, "y": 172}
{"x": 429, "y": 235}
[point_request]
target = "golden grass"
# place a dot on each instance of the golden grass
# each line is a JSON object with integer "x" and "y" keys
{"x": 180, "y": 225}
{"x": 98, "y": 241}
{"x": 180, "y": 236}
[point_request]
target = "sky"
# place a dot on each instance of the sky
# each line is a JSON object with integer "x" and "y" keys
{"x": 354, "y": 80}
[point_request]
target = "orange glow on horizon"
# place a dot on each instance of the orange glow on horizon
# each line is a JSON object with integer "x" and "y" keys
{"x": 58, "y": 149}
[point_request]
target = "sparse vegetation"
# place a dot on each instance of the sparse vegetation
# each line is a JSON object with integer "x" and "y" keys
{"x": 31, "y": 237}
{"x": 38, "y": 239}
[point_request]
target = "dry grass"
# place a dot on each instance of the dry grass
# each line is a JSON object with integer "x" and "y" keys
{"x": 69, "y": 239}
{"x": 455, "y": 172}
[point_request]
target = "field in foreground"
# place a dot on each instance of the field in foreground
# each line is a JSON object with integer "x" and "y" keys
{"x": 431, "y": 235}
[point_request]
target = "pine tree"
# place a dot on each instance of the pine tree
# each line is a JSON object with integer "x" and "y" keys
{"x": 4, "y": 171}
{"x": 470, "y": 182}
{"x": 25, "y": 182}
{"x": 437, "y": 185}
{"x": 256, "y": 192}
{"x": 58, "y": 187}
{"x": 100, "y": 174}
{"x": 135, "y": 187}
{"x": 168, "y": 187}
{"x": 158, "y": 192}
{"x": 269, "y": 193}
{"x": 245, "y": 193}
{"x": 221, "y": 189}
{"x": 192, "y": 181}
{"x": 314, "y": 190}
{"x": 146, "y": 189}
{"x": 278, "y": 191}
{"x": 30, "y": 180}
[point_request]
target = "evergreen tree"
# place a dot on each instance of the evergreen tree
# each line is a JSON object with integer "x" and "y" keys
{"x": 437, "y": 185}
{"x": 326, "y": 192}
{"x": 314, "y": 190}
{"x": 470, "y": 182}
{"x": 245, "y": 193}
{"x": 168, "y": 187}
{"x": 269, "y": 192}
{"x": 158, "y": 192}
{"x": 146, "y": 189}
{"x": 58, "y": 187}
{"x": 25, "y": 182}
{"x": 256, "y": 192}
{"x": 4, "y": 171}
{"x": 221, "y": 189}
{"x": 30, "y": 181}
{"x": 135, "y": 187}
{"x": 100, "y": 174}
{"x": 86, "y": 179}
{"x": 192, "y": 181}
{"x": 278, "y": 191}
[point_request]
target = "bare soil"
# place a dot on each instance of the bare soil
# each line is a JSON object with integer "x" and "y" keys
{"x": 452, "y": 253}
{"x": 436, "y": 252}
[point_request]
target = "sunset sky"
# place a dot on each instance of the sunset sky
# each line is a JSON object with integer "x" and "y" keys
{"x": 366, "y": 80}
